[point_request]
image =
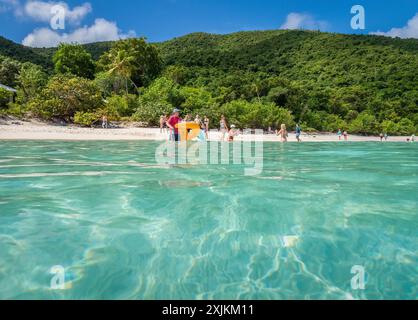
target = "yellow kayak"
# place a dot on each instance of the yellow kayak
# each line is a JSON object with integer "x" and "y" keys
{"x": 188, "y": 130}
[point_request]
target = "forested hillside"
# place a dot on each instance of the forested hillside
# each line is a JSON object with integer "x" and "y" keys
{"x": 306, "y": 71}
{"x": 366, "y": 84}
{"x": 21, "y": 53}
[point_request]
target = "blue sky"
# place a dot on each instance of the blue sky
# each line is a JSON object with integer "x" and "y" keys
{"x": 28, "y": 21}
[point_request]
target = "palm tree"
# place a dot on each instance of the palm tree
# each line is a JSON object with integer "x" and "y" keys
{"x": 122, "y": 64}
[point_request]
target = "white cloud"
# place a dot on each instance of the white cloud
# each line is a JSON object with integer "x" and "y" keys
{"x": 101, "y": 30}
{"x": 41, "y": 11}
{"x": 297, "y": 20}
{"x": 409, "y": 31}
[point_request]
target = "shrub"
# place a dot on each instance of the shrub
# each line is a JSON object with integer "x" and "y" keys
{"x": 16, "y": 110}
{"x": 85, "y": 119}
{"x": 64, "y": 96}
{"x": 75, "y": 60}
{"x": 323, "y": 121}
{"x": 365, "y": 123}
{"x": 259, "y": 115}
{"x": 389, "y": 127}
{"x": 5, "y": 97}
{"x": 122, "y": 106}
{"x": 159, "y": 98}
{"x": 150, "y": 113}
{"x": 405, "y": 127}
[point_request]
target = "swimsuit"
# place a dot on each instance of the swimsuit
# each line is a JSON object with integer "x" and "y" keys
{"x": 223, "y": 126}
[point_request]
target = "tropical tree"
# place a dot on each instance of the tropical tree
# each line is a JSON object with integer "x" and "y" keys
{"x": 9, "y": 71}
{"x": 179, "y": 74}
{"x": 158, "y": 99}
{"x": 255, "y": 115}
{"x": 30, "y": 81}
{"x": 365, "y": 123}
{"x": 134, "y": 60}
{"x": 196, "y": 100}
{"x": 121, "y": 106}
{"x": 64, "y": 96}
{"x": 74, "y": 59}
{"x": 110, "y": 84}
{"x": 389, "y": 127}
{"x": 406, "y": 127}
{"x": 4, "y": 98}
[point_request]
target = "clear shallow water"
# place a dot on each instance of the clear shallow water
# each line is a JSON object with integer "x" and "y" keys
{"x": 126, "y": 228}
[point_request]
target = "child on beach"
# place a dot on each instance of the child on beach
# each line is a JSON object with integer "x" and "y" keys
{"x": 283, "y": 133}
{"x": 345, "y": 134}
{"x": 232, "y": 133}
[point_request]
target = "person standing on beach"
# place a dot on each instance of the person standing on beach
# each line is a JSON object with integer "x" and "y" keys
{"x": 381, "y": 137}
{"x": 283, "y": 133}
{"x": 172, "y": 124}
{"x": 163, "y": 121}
{"x": 413, "y": 138}
{"x": 345, "y": 134}
{"x": 298, "y": 133}
{"x": 223, "y": 128}
{"x": 188, "y": 118}
{"x": 386, "y": 137}
{"x": 206, "y": 122}
{"x": 339, "y": 134}
{"x": 104, "y": 122}
{"x": 197, "y": 120}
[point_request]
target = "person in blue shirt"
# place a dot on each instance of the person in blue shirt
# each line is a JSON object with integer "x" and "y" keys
{"x": 298, "y": 133}
{"x": 339, "y": 134}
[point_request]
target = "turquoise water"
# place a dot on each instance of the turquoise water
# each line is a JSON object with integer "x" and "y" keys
{"x": 124, "y": 227}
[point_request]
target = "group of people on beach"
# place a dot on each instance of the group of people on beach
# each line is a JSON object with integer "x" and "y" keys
{"x": 342, "y": 134}
{"x": 169, "y": 124}
{"x": 284, "y": 135}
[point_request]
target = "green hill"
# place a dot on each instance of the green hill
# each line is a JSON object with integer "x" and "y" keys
{"x": 306, "y": 71}
{"x": 320, "y": 77}
{"x": 323, "y": 59}
{"x": 43, "y": 56}
{"x": 21, "y": 53}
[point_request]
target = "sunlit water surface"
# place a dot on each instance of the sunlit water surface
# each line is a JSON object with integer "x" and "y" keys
{"x": 124, "y": 227}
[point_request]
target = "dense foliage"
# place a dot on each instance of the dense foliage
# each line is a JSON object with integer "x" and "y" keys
{"x": 4, "y": 98}
{"x": 132, "y": 60}
{"x": 9, "y": 71}
{"x": 31, "y": 80}
{"x": 21, "y": 53}
{"x": 75, "y": 60}
{"x": 326, "y": 82}
{"x": 64, "y": 96}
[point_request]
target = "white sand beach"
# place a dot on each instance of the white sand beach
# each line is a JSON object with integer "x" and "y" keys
{"x": 25, "y": 130}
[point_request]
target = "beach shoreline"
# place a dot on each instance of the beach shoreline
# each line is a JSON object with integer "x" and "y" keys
{"x": 33, "y": 130}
